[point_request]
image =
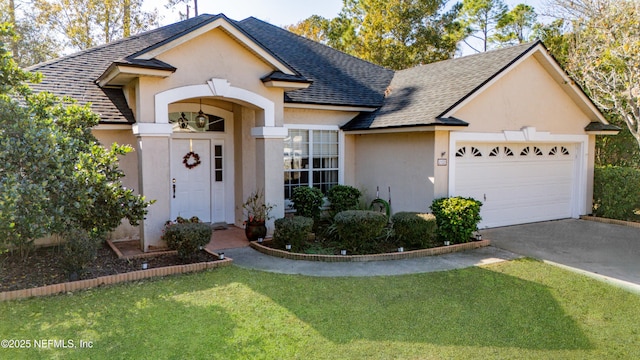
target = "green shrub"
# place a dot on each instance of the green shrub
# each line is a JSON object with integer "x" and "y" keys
{"x": 343, "y": 197}
{"x": 186, "y": 237}
{"x": 359, "y": 230}
{"x": 78, "y": 251}
{"x": 457, "y": 218}
{"x": 307, "y": 201}
{"x": 616, "y": 192}
{"x": 292, "y": 230}
{"x": 415, "y": 230}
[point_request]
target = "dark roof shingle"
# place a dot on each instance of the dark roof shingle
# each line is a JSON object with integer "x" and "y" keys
{"x": 423, "y": 94}
{"x": 337, "y": 78}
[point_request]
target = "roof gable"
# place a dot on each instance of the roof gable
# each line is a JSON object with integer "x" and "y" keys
{"x": 216, "y": 22}
{"x": 424, "y": 95}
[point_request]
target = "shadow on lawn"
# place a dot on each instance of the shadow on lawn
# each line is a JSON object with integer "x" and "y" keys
{"x": 471, "y": 307}
{"x": 233, "y": 312}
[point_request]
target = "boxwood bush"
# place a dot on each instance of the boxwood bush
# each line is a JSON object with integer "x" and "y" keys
{"x": 307, "y": 201}
{"x": 616, "y": 192}
{"x": 342, "y": 198}
{"x": 457, "y": 218}
{"x": 415, "y": 230}
{"x": 359, "y": 230}
{"x": 187, "y": 236}
{"x": 78, "y": 251}
{"x": 292, "y": 230}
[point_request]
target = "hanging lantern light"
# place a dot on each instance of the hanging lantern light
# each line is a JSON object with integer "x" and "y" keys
{"x": 201, "y": 119}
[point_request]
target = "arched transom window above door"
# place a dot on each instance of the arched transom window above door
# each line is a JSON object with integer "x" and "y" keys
{"x": 187, "y": 121}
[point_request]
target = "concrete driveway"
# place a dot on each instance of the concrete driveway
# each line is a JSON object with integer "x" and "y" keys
{"x": 611, "y": 251}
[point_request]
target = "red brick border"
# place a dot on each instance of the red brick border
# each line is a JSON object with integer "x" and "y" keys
{"x": 111, "y": 279}
{"x": 610, "y": 221}
{"x": 375, "y": 257}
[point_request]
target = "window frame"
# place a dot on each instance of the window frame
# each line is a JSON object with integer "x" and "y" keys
{"x": 311, "y": 169}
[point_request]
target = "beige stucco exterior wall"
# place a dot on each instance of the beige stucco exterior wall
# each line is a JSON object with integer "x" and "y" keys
{"x": 211, "y": 55}
{"x": 402, "y": 161}
{"x": 129, "y": 165}
{"x": 317, "y": 117}
{"x": 525, "y": 96}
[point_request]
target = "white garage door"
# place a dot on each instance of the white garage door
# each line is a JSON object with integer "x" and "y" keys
{"x": 517, "y": 183}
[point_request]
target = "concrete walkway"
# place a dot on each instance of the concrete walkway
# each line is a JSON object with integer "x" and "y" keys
{"x": 604, "y": 251}
{"x": 248, "y": 258}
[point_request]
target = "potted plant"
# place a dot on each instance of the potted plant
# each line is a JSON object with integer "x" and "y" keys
{"x": 257, "y": 213}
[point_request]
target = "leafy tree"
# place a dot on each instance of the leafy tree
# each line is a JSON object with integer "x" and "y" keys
{"x": 556, "y": 38}
{"x": 315, "y": 27}
{"x": 587, "y": 41}
{"x": 514, "y": 26}
{"x": 393, "y": 33}
{"x": 603, "y": 56}
{"x": 481, "y": 17}
{"x": 54, "y": 175}
{"x": 87, "y": 23}
{"x": 31, "y": 43}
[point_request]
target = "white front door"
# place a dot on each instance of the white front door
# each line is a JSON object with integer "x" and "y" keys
{"x": 191, "y": 185}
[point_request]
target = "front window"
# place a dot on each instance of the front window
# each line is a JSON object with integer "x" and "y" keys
{"x": 310, "y": 159}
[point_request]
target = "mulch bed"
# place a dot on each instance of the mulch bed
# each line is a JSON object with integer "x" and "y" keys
{"x": 42, "y": 267}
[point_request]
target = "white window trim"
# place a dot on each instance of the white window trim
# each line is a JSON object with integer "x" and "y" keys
{"x": 341, "y": 145}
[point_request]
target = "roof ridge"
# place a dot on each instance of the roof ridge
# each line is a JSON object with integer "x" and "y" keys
{"x": 528, "y": 46}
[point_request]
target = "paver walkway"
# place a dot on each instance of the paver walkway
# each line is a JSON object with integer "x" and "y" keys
{"x": 248, "y": 258}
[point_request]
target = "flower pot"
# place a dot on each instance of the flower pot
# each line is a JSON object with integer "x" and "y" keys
{"x": 255, "y": 229}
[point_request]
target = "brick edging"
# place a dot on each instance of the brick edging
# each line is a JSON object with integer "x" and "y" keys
{"x": 610, "y": 221}
{"x": 111, "y": 279}
{"x": 374, "y": 257}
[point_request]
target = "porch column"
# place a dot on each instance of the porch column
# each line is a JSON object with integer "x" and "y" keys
{"x": 154, "y": 178}
{"x": 269, "y": 167}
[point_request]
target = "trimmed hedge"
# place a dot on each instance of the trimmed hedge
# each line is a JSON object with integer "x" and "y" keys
{"x": 292, "y": 230}
{"x": 307, "y": 201}
{"x": 343, "y": 198}
{"x": 187, "y": 237}
{"x": 359, "y": 230}
{"x": 457, "y": 218}
{"x": 415, "y": 230}
{"x": 616, "y": 192}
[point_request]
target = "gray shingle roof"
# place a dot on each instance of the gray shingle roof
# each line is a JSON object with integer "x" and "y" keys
{"x": 74, "y": 75}
{"x": 423, "y": 94}
{"x": 337, "y": 78}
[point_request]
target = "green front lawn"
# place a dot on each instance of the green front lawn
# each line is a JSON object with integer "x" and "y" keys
{"x": 520, "y": 309}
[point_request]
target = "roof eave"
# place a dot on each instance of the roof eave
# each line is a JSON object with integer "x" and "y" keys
{"x": 436, "y": 126}
{"x": 119, "y": 74}
{"x": 598, "y": 128}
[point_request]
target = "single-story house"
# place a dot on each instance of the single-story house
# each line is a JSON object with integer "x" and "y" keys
{"x": 507, "y": 127}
